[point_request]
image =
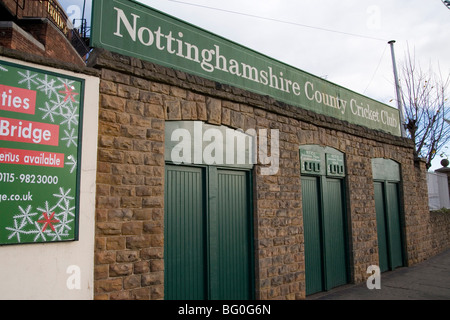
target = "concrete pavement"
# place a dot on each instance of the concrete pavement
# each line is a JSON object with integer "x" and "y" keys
{"x": 429, "y": 280}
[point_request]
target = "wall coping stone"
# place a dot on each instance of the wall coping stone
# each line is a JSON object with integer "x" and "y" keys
{"x": 46, "y": 61}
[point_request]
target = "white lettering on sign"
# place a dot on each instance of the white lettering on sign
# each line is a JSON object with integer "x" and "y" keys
{"x": 323, "y": 98}
{"x": 166, "y": 45}
{"x": 209, "y": 59}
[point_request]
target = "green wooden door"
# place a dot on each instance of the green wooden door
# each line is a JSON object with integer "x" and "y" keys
{"x": 395, "y": 233}
{"x": 390, "y": 247}
{"x": 324, "y": 218}
{"x": 324, "y": 233}
{"x": 208, "y": 238}
{"x": 387, "y": 178}
{"x": 233, "y": 253}
{"x": 184, "y": 236}
{"x": 381, "y": 227}
{"x": 334, "y": 234}
{"x": 312, "y": 231}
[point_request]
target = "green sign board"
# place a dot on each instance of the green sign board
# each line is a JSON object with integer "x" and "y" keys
{"x": 310, "y": 162}
{"x": 40, "y": 137}
{"x": 135, "y": 30}
{"x": 335, "y": 165}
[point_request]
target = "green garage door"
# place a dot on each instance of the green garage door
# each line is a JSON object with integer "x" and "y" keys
{"x": 389, "y": 233}
{"x": 395, "y": 232}
{"x": 334, "y": 233}
{"x": 381, "y": 227}
{"x": 208, "y": 247}
{"x": 324, "y": 218}
{"x": 312, "y": 234}
{"x": 184, "y": 238}
{"x": 233, "y": 259}
{"x": 389, "y": 223}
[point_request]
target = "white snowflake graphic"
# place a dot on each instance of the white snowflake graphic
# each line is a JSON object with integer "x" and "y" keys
{"x": 69, "y": 104}
{"x": 63, "y": 196}
{"x": 60, "y": 105}
{"x": 56, "y": 236}
{"x": 50, "y": 112}
{"x": 62, "y": 230}
{"x": 67, "y": 211}
{"x": 70, "y": 137}
{"x": 65, "y": 225}
{"x": 45, "y": 224}
{"x": 48, "y": 87}
{"x": 71, "y": 117}
{"x": 28, "y": 78}
{"x": 39, "y": 233}
{"x": 25, "y": 215}
{"x": 66, "y": 82}
{"x": 47, "y": 208}
{"x": 65, "y": 204}
{"x": 16, "y": 231}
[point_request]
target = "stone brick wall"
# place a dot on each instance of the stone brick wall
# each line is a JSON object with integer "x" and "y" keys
{"x": 130, "y": 188}
{"x": 137, "y": 98}
{"x": 439, "y": 228}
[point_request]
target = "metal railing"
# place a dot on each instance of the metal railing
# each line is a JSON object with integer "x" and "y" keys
{"x": 51, "y": 10}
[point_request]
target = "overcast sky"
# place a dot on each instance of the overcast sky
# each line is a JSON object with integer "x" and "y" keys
{"x": 356, "y": 55}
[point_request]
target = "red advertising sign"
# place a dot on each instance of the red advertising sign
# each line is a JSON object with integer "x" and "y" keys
{"x": 17, "y": 99}
{"x": 29, "y": 132}
{"x": 31, "y": 158}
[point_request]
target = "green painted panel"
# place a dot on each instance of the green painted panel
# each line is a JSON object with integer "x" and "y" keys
{"x": 334, "y": 234}
{"x": 395, "y": 234}
{"x": 335, "y": 165}
{"x": 387, "y": 204}
{"x": 189, "y": 142}
{"x": 184, "y": 236}
{"x": 311, "y": 162}
{"x": 233, "y": 232}
{"x": 385, "y": 170}
{"x": 381, "y": 227}
{"x": 208, "y": 246}
{"x": 312, "y": 235}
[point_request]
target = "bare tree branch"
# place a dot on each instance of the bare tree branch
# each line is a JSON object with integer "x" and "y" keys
{"x": 425, "y": 99}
